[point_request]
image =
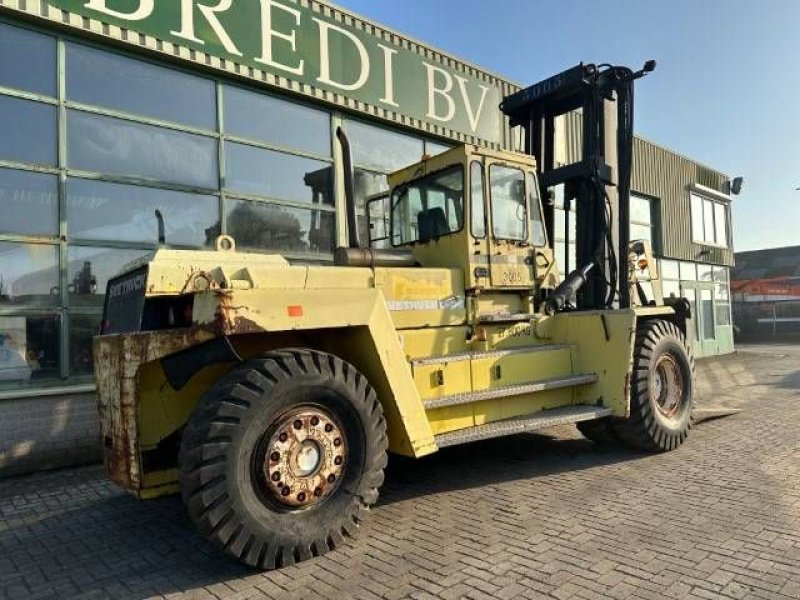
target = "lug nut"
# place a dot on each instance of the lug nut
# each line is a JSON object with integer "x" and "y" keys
{"x": 298, "y": 424}
{"x": 331, "y": 478}
{"x": 318, "y": 492}
{"x": 283, "y": 437}
{"x": 315, "y": 421}
{"x": 328, "y": 427}
{"x": 337, "y": 442}
{"x": 275, "y": 456}
{"x": 276, "y": 477}
{"x": 301, "y": 497}
{"x": 337, "y": 460}
{"x": 286, "y": 491}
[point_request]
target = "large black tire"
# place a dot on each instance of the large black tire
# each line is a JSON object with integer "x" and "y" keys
{"x": 231, "y": 439}
{"x": 662, "y": 389}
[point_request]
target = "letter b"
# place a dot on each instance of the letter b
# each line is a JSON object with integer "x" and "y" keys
{"x": 145, "y": 10}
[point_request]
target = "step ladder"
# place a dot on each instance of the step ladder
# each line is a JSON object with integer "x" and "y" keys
{"x": 540, "y": 420}
{"x": 476, "y": 365}
{"x": 512, "y": 390}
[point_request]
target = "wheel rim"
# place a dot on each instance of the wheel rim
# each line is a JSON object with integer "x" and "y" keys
{"x": 305, "y": 458}
{"x": 668, "y": 388}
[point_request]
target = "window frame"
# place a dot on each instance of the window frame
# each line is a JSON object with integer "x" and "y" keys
{"x": 484, "y": 222}
{"x": 526, "y": 236}
{"x": 456, "y": 166}
{"x": 655, "y": 221}
{"x": 703, "y": 199}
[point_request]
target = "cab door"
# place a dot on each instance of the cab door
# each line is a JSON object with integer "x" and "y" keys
{"x": 511, "y": 260}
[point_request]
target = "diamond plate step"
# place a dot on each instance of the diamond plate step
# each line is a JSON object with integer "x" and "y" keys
{"x": 540, "y": 420}
{"x": 477, "y": 355}
{"x": 512, "y": 390}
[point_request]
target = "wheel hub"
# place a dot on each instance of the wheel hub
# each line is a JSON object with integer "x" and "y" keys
{"x": 667, "y": 386}
{"x": 304, "y": 458}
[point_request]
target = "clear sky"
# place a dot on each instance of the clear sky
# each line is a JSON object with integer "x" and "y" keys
{"x": 726, "y": 91}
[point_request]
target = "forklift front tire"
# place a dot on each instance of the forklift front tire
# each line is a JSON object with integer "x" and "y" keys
{"x": 282, "y": 457}
{"x": 662, "y": 389}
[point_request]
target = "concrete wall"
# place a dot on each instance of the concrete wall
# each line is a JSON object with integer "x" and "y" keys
{"x": 46, "y": 432}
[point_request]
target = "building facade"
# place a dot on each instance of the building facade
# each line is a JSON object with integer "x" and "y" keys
{"x": 223, "y": 117}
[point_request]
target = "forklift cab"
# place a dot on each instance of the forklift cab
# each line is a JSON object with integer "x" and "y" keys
{"x": 475, "y": 209}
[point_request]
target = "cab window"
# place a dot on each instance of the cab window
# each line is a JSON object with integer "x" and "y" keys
{"x": 429, "y": 207}
{"x": 478, "y": 206}
{"x": 537, "y": 221}
{"x": 509, "y": 210}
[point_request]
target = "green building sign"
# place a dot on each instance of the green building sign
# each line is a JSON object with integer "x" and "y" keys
{"x": 293, "y": 41}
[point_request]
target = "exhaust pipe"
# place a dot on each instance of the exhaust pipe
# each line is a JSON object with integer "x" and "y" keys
{"x": 162, "y": 238}
{"x": 349, "y": 190}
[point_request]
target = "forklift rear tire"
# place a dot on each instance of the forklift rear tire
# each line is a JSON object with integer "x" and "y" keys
{"x": 662, "y": 389}
{"x": 282, "y": 457}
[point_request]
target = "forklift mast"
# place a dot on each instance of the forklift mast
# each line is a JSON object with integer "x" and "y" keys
{"x": 599, "y": 182}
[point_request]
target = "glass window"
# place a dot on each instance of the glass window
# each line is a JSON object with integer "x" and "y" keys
{"x": 382, "y": 149}
{"x": 721, "y": 291}
{"x": 691, "y": 297}
{"x": 670, "y": 288}
{"x": 27, "y": 60}
{"x": 29, "y": 350}
{"x": 688, "y": 271}
{"x": 640, "y": 211}
{"x": 99, "y": 210}
{"x": 134, "y": 86}
{"x": 707, "y": 306}
{"x": 698, "y": 232}
{"x": 704, "y": 272}
{"x": 669, "y": 270}
{"x": 261, "y": 117}
{"x": 368, "y": 185}
{"x": 720, "y": 224}
{"x": 509, "y": 211}
{"x": 116, "y": 147}
{"x": 379, "y": 222}
{"x": 478, "y": 201}
{"x": 28, "y": 274}
{"x": 250, "y": 170}
{"x": 23, "y": 194}
{"x": 708, "y": 221}
{"x": 89, "y": 270}
{"x": 429, "y": 207}
{"x": 261, "y": 226}
{"x": 82, "y": 328}
{"x": 537, "y": 219}
{"x": 642, "y": 232}
{"x": 27, "y": 131}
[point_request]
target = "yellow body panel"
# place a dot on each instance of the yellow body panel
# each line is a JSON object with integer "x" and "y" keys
{"x": 534, "y": 364}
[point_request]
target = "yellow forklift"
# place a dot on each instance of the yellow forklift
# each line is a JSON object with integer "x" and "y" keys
{"x": 269, "y": 394}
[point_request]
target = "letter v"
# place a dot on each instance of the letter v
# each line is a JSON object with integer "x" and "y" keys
{"x": 474, "y": 116}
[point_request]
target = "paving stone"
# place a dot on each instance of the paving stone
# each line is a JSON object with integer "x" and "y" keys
{"x": 532, "y": 516}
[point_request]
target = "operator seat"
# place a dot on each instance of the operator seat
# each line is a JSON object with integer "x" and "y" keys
{"x": 432, "y": 224}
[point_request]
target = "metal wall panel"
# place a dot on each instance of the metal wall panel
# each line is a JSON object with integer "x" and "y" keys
{"x": 666, "y": 176}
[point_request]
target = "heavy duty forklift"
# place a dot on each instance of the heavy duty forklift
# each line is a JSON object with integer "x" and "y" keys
{"x": 268, "y": 394}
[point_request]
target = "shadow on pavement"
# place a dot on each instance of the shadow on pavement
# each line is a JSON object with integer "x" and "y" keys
{"x": 98, "y": 542}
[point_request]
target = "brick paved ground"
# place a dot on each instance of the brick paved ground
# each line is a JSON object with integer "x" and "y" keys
{"x": 529, "y": 516}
